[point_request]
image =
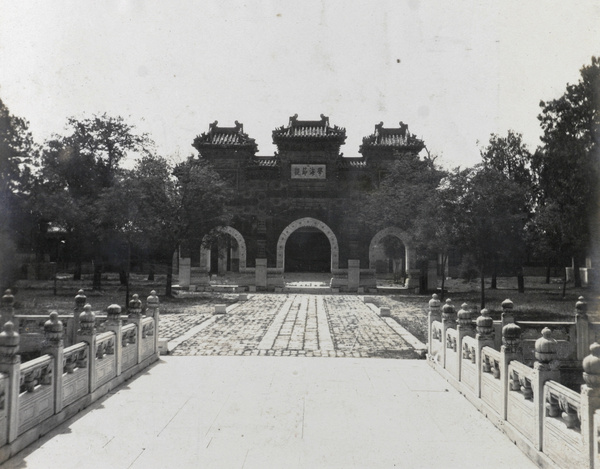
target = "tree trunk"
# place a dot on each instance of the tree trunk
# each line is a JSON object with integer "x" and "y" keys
{"x": 494, "y": 284}
{"x": 564, "y": 289}
{"x": 548, "y": 269}
{"x": 576, "y": 273}
{"x": 151, "y": 273}
{"x": 521, "y": 281}
{"x": 77, "y": 272}
{"x": 123, "y": 276}
{"x": 444, "y": 260}
{"x": 482, "y": 288}
{"x": 97, "y": 282}
{"x": 168, "y": 290}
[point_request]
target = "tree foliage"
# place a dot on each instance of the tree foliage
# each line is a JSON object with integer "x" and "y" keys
{"x": 401, "y": 194}
{"x": 17, "y": 151}
{"x": 80, "y": 181}
{"x": 568, "y": 167}
{"x": 177, "y": 205}
{"x": 484, "y": 215}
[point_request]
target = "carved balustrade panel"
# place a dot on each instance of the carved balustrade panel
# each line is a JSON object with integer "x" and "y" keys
{"x": 36, "y": 397}
{"x": 594, "y": 331}
{"x": 468, "y": 375}
{"x": 75, "y": 372}
{"x": 129, "y": 347}
{"x": 436, "y": 339}
{"x": 491, "y": 388}
{"x": 562, "y": 438}
{"x": 106, "y": 361}
{"x": 3, "y": 408}
{"x": 520, "y": 410}
{"x": 596, "y": 435}
{"x": 147, "y": 337}
{"x": 563, "y": 332}
{"x": 452, "y": 354}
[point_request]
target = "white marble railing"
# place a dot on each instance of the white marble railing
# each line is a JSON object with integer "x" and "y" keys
{"x": 515, "y": 379}
{"x": 37, "y": 395}
{"x": 436, "y": 343}
{"x": 452, "y": 353}
{"x": 76, "y": 376}
{"x": 521, "y": 409}
{"x": 469, "y": 375}
{"x": 563, "y": 440}
{"x": 491, "y": 387}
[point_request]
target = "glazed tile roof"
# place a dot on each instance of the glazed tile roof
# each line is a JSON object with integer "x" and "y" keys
{"x": 309, "y": 129}
{"x": 352, "y": 163}
{"x": 225, "y": 137}
{"x": 398, "y": 137}
{"x": 264, "y": 162}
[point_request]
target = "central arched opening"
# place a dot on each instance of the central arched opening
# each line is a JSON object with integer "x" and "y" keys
{"x": 307, "y": 249}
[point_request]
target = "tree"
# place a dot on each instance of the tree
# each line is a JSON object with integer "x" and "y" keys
{"x": 175, "y": 206}
{"x": 77, "y": 172}
{"x": 485, "y": 210}
{"x": 568, "y": 164}
{"x": 16, "y": 157}
{"x": 510, "y": 156}
{"x": 400, "y": 196}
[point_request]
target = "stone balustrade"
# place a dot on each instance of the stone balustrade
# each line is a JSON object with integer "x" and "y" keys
{"x": 39, "y": 394}
{"x": 519, "y": 374}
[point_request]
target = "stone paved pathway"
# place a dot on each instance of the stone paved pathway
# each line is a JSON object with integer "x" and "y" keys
{"x": 294, "y": 325}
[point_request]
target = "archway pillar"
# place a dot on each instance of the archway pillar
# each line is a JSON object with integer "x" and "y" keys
{"x": 413, "y": 274}
{"x": 260, "y": 274}
{"x": 184, "y": 276}
{"x": 353, "y": 274}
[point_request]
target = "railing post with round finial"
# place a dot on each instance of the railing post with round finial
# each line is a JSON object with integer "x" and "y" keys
{"x": 134, "y": 308}
{"x": 7, "y": 309}
{"x": 113, "y": 323}
{"x": 590, "y": 399}
{"x": 10, "y": 363}
{"x": 508, "y": 315}
{"x": 448, "y": 321}
{"x": 511, "y": 350}
{"x": 87, "y": 334}
{"x": 135, "y": 317}
{"x": 54, "y": 333}
{"x": 432, "y": 315}
{"x": 582, "y": 328}
{"x": 464, "y": 328}
{"x": 152, "y": 309}
{"x": 80, "y": 302}
{"x": 545, "y": 368}
{"x": 484, "y": 325}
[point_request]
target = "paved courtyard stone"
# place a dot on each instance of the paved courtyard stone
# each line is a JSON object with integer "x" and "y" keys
{"x": 293, "y": 325}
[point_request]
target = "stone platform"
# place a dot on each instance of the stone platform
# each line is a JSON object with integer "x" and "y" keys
{"x": 278, "y": 412}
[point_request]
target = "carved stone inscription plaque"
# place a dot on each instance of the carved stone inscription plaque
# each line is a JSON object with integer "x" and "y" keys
{"x": 308, "y": 171}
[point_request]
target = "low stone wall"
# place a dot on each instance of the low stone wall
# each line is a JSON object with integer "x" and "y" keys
{"x": 519, "y": 385}
{"x": 40, "y": 394}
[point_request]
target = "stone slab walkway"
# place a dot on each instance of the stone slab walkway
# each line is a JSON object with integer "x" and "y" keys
{"x": 295, "y": 325}
{"x": 270, "y": 413}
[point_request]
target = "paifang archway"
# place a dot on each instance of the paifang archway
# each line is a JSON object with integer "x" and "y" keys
{"x": 307, "y": 222}
{"x": 410, "y": 253}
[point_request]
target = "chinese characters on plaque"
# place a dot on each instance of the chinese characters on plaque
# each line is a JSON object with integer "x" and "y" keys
{"x": 308, "y": 171}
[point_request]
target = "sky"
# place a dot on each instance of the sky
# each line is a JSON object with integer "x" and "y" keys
{"x": 455, "y": 72}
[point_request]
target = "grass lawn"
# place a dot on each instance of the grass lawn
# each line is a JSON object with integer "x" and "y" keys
{"x": 540, "y": 301}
